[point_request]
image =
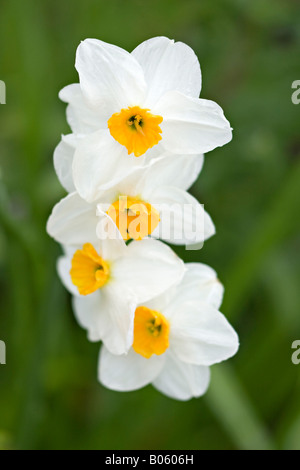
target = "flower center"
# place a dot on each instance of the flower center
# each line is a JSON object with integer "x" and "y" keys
{"x": 151, "y": 332}
{"x": 89, "y": 271}
{"x": 134, "y": 218}
{"x": 135, "y": 128}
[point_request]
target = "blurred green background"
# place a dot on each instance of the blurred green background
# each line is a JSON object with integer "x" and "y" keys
{"x": 49, "y": 395}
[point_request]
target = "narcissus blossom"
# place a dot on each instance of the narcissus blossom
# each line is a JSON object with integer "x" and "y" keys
{"x": 177, "y": 336}
{"x": 142, "y": 104}
{"x": 151, "y": 201}
{"x": 139, "y": 132}
{"x": 109, "y": 279}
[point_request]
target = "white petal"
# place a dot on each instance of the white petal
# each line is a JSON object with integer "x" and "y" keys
{"x": 179, "y": 171}
{"x": 109, "y": 238}
{"x": 161, "y": 302}
{"x": 100, "y": 162}
{"x": 200, "y": 334}
{"x": 182, "y": 381}
{"x": 130, "y": 185}
{"x": 148, "y": 269}
{"x": 69, "y": 250}
{"x": 81, "y": 116}
{"x": 183, "y": 219}
{"x": 127, "y": 372}
{"x": 73, "y": 221}
{"x": 167, "y": 66}
{"x": 191, "y": 125}
{"x": 63, "y": 269}
{"x": 200, "y": 284}
{"x": 63, "y": 160}
{"x": 109, "y": 76}
{"x": 108, "y": 315}
{"x": 90, "y": 313}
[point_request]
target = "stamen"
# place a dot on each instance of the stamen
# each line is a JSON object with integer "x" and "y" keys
{"x": 135, "y": 128}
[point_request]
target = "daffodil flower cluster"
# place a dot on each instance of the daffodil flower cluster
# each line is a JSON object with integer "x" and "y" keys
{"x": 139, "y": 132}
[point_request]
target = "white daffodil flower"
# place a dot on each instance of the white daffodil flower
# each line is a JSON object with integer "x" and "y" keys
{"x": 109, "y": 279}
{"x": 151, "y": 201}
{"x": 177, "y": 336}
{"x": 142, "y": 104}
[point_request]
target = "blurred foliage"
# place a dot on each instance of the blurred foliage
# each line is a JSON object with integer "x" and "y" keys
{"x": 49, "y": 396}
